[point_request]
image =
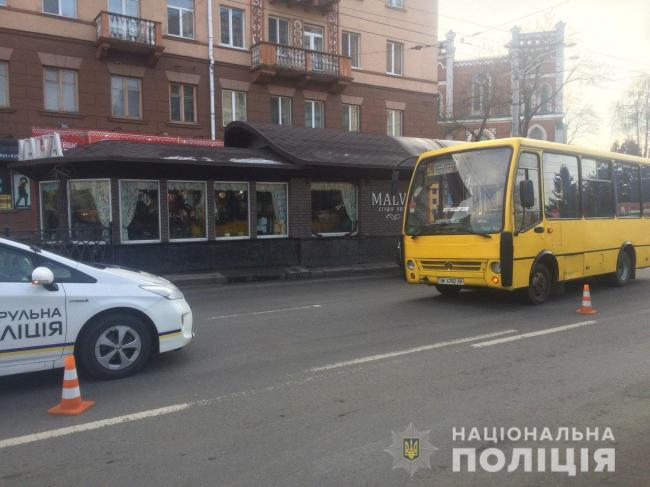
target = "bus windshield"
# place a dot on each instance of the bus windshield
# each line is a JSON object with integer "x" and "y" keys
{"x": 459, "y": 193}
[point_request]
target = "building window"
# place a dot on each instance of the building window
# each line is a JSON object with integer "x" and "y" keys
{"x": 314, "y": 114}
{"x": 334, "y": 208}
{"x": 4, "y": 84}
{"x": 233, "y": 106}
{"x": 395, "y": 3}
{"x": 351, "y": 117}
{"x": 272, "y": 210}
{"x": 89, "y": 202}
{"x": 139, "y": 211}
{"x": 561, "y": 190}
{"x": 125, "y": 7}
{"x": 537, "y": 132}
{"x": 597, "y": 189}
{"x": 394, "y": 58}
{"x": 313, "y": 38}
{"x": 182, "y": 103}
{"x": 279, "y": 31}
{"x": 480, "y": 93}
{"x": 64, "y": 8}
{"x": 394, "y": 122}
{"x": 628, "y": 190}
{"x": 126, "y": 97}
{"x": 281, "y": 110}
{"x": 180, "y": 18}
{"x": 186, "y": 203}
{"x": 231, "y": 210}
{"x": 232, "y": 27}
{"x": 49, "y": 205}
{"x": 60, "y": 88}
{"x": 351, "y": 47}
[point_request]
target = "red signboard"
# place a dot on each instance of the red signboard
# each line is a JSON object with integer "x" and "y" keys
{"x": 71, "y": 138}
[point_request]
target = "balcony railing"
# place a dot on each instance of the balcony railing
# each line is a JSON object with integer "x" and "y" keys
{"x": 125, "y": 33}
{"x": 270, "y": 60}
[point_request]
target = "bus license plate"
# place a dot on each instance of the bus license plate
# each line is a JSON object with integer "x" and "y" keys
{"x": 451, "y": 281}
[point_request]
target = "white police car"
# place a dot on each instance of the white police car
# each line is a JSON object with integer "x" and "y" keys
{"x": 113, "y": 319}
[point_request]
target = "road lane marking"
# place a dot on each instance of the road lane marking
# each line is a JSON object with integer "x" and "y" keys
{"x": 399, "y": 353}
{"x": 253, "y": 313}
{"x": 547, "y": 331}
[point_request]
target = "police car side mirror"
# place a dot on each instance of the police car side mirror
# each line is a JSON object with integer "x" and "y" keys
{"x": 42, "y": 276}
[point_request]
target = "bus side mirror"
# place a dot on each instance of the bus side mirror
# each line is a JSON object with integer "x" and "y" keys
{"x": 526, "y": 194}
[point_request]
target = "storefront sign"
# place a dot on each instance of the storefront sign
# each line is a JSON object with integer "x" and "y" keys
{"x": 8, "y": 150}
{"x": 389, "y": 204}
{"x": 41, "y": 147}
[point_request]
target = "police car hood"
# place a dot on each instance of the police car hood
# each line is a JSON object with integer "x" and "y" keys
{"x": 132, "y": 274}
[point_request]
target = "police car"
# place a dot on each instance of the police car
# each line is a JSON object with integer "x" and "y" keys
{"x": 111, "y": 318}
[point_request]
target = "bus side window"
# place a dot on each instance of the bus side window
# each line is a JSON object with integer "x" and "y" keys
{"x": 527, "y": 170}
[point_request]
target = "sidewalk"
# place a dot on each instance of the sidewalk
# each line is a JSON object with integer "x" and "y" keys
{"x": 281, "y": 273}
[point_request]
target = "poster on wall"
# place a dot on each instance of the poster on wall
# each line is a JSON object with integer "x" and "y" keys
{"x": 22, "y": 192}
{"x": 5, "y": 189}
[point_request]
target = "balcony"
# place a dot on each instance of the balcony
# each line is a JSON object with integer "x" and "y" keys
{"x": 117, "y": 32}
{"x": 271, "y": 61}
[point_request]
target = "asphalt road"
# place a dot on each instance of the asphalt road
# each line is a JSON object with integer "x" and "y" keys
{"x": 302, "y": 382}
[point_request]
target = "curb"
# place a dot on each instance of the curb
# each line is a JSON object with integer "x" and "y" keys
{"x": 287, "y": 273}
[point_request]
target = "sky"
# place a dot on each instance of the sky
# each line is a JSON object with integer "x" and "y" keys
{"x": 611, "y": 34}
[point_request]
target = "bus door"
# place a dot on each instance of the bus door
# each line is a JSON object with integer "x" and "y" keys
{"x": 530, "y": 235}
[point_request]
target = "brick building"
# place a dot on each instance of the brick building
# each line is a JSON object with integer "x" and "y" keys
{"x": 478, "y": 93}
{"x": 161, "y": 67}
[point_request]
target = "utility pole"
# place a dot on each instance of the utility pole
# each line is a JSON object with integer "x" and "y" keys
{"x": 514, "y": 80}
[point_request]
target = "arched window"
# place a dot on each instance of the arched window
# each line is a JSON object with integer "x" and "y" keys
{"x": 480, "y": 93}
{"x": 537, "y": 132}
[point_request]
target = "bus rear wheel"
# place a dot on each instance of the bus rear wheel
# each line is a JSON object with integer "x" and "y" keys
{"x": 623, "y": 270}
{"x": 446, "y": 290}
{"x": 540, "y": 285}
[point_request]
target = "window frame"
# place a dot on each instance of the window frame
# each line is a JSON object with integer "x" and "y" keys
{"x": 230, "y": 28}
{"x": 248, "y": 214}
{"x": 346, "y": 46}
{"x": 540, "y": 177}
{"x": 346, "y": 108}
{"x": 233, "y": 94}
{"x": 60, "y": 96}
{"x": 119, "y": 203}
{"x": 484, "y": 83}
{"x": 390, "y": 119}
{"x": 355, "y": 223}
{"x": 639, "y": 168}
{"x": 7, "y": 91}
{"x": 396, "y": 4}
{"x": 613, "y": 202}
{"x": 123, "y": 12}
{"x": 40, "y": 203}
{"x": 182, "y": 101}
{"x": 69, "y": 201}
{"x": 277, "y": 19}
{"x": 286, "y": 192}
{"x": 313, "y": 104}
{"x": 180, "y": 11}
{"x": 60, "y": 10}
{"x": 207, "y": 223}
{"x": 644, "y": 197}
{"x": 279, "y": 105}
{"x": 578, "y": 159}
{"x": 125, "y": 97}
{"x": 390, "y": 47}
{"x": 32, "y": 256}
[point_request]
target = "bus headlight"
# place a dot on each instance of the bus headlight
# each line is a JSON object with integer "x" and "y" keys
{"x": 410, "y": 264}
{"x": 496, "y": 267}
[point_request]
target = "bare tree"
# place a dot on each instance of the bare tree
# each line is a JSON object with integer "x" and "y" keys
{"x": 632, "y": 114}
{"x": 580, "y": 121}
{"x": 628, "y": 146}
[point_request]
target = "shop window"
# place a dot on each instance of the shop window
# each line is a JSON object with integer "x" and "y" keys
{"x": 351, "y": 43}
{"x": 4, "y": 84}
{"x": 334, "y": 208}
{"x": 139, "y": 211}
{"x": 279, "y": 31}
{"x": 187, "y": 210}
{"x": 231, "y": 210}
{"x": 49, "y": 209}
{"x": 281, "y": 110}
{"x": 628, "y": 190}
{"x": 60, "y": 88}
{"x": 182, "y": 103}
{"x": 232, "y": 27}
{"x": 64, "y": 8}
{"x": 351, "y": 117}
{"x": 180, "y": 18}
{"x": 394, "y": 122}
{"x": 597, "y": 189}
{"x": 561, "y": 190}
{"x": 314, "y": 114}
{"x": 233, "y": 106}
{"x": 394, "y": 58}
{"x": 645, "y": 189}
{"x": 90, "y": 209}
{"x": 126, "y": 97}
{"x": 5, "y": 189}
{"x": 272, "y": 210}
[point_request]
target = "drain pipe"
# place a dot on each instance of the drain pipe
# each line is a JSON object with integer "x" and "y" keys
{"x": 213, "y": 124}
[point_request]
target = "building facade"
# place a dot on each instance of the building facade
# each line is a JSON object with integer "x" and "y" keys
{"x": 519, "y": 94}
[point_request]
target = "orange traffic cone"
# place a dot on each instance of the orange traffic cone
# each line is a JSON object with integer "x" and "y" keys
{"x": 71, "y": 403}
{"x": 586, "y": 308}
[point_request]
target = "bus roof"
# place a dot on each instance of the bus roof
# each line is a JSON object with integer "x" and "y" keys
{"x": 523, "y": 142}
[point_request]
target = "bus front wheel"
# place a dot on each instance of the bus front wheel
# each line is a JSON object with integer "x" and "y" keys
{"x": 446, "y": 290}
{"x": 540, "y": 285}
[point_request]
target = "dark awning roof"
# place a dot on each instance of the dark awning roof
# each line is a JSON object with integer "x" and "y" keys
{"x": 134, "y": 152}
{"x": 330, "y": 147}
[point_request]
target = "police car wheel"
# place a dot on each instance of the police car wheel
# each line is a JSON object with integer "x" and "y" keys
{"x": 115, "y": 346}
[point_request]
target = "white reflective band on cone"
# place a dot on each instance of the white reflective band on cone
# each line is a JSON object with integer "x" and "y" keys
{"x": 71, "y": 393}
{"x": 70, "y": 374}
